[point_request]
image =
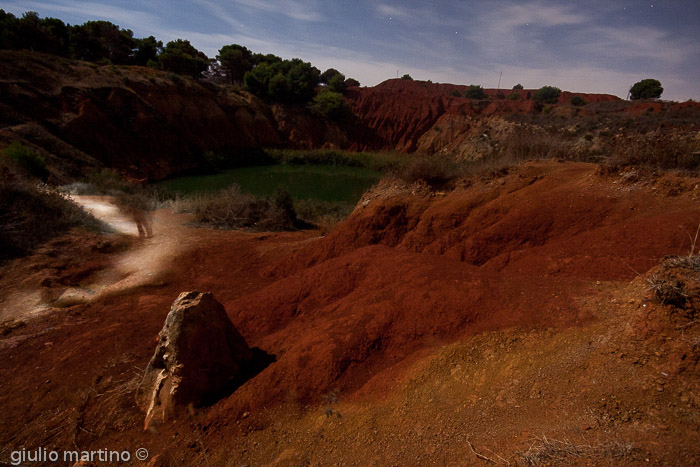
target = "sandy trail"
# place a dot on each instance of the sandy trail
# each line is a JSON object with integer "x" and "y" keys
{"x": 143, "y": 264}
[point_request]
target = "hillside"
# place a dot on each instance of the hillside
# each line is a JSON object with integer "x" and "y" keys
{"x": 537, "y": 307}
{"x": 511, "y": 313}
{"x": 140, "y": 121}
{"x": 151, "y": 124}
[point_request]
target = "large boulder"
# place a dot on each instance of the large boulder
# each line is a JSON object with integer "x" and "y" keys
{"x": 200, "y": 355}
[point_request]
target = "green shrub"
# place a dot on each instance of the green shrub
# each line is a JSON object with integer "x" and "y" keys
{"x": 475, "y": 91}
{"x": 515, "y": 96}
{"x": 26, "y": 160}
{"x": 646, "y": 89}
{"x": 578, "y": 101}
{"x": 331, "y": 105}
{"x": 518, "y": 86}
{"x": 179, "y": 56}
{"x": 407, "y": 76}
{"x": 547, "y": 95}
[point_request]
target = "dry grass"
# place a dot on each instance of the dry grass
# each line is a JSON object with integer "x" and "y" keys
{"x": 31, "y": 214}
{"x": 546, "y": 451}
{"x": 672, "y": 149}
{"x": 434, "y": 170}
{"x": 677, "y": 281}
{"x": 231, "y": 209}
{"x": 668, "y": 291}
{"x": 526, "y": 143}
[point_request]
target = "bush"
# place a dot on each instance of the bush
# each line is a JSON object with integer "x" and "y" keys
{"x": 578, "y": 101}
{"x": 526, "y": 143}
{"x": 672, "y": 149}
{"x": 646, "y": 89}
{"x": 290, "y": 81}
{"x": 407, "y": 76}
{"x": 677, "y": 282}
{"x": 30, "y": 215}
{"x": 323, "y": 213}
{"x": 25, "y": 160}
{"x": 179, "y": 56}
{"x": 351, "y": 82}
{"x": 107, "y": 182}
{"x": 518, "y": 86}
{"x": 331, "y": 105}
{"x": 475, "y": 91}
{"x": 515, "y": 96}
{"x": 434, "y": 170}
{"x": 231, "y": 209}
{"x": 547, "y": 95}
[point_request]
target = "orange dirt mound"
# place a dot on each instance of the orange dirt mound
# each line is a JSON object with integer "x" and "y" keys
{"x": 410, "y": 270}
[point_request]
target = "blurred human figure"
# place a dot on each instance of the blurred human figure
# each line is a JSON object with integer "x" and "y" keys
{"x": 136, "y": 206}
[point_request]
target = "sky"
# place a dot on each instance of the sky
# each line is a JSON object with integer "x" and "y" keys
{"x": 597, "y": 46}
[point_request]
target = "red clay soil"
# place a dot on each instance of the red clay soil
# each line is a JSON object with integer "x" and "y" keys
{"x": 397, "y": 112}
{"x": 415, "y": 291}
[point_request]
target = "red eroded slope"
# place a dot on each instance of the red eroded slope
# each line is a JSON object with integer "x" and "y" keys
{"x": 409, "y": 270}
{"x": 396, "y": 113}
{"x": 413, "y": 268}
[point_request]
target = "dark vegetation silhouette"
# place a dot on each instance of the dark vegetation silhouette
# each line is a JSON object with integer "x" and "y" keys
{"x": 646, "y": 89}
{"x": 268, "y": 76}
{"x": 547, "y": 95}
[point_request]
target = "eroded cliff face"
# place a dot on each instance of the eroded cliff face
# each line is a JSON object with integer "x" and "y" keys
{"x": 145, "y": 123}
{"x": 408, "y": 116}
{"x": 151, "y": 124}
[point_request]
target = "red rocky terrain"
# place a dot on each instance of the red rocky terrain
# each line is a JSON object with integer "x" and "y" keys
{"x": 510, "y": 317}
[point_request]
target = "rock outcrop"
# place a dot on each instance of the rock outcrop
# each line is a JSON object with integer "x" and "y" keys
{"x": 200, "y": 355}
{"x": 397, "y": 114}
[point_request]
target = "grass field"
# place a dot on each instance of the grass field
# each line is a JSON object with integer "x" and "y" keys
{"x": 332, "y": 183}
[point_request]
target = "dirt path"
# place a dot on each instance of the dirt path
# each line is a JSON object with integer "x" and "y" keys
{"x": 142, "y": 264}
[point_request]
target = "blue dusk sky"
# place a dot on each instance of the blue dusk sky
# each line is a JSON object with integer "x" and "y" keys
{"x": 600, "y": 46}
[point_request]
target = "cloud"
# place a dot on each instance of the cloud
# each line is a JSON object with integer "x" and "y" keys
{"x": 536, "y": 14}
{"x": 514, "y": 30}
{"x": 633, "y": 42}
{"x": 394, "y": 12}
{"x": 219, "y": 12}
{"x": 294, "y": 9}
{"x": 426, "y": 16}
{"x": 121, "y": 16}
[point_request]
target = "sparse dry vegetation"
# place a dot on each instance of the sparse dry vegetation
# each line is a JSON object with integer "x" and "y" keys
{"x": 547, "y": 451}
{"x": 31, "y": 214}
{"x": 677, "y": 283}
{"x": 231, "y": 208}
{"x": 432, "y": 169}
